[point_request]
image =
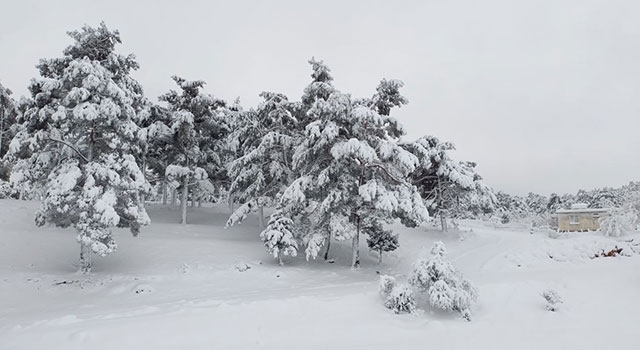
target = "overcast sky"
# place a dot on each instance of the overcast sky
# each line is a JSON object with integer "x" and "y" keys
{"x": 544, "y": 95}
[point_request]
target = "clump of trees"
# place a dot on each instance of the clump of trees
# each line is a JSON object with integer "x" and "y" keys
{"x": 332, "y": 166}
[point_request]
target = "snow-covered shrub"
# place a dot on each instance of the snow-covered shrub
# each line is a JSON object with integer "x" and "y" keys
{"x": 401, "y": 299}
{"x": 619, "y": 222}
{"x": 5, "y": 189}
{"x": 552, "y": 298}
{"x": 445, "y": 287}
{"x": 387, "y": 283}
{"x": 397, "y": 297}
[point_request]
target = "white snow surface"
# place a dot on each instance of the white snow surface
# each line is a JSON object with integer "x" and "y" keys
{"x": 178, "y": 287}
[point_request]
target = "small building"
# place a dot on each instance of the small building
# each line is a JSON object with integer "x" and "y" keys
{"x": 580, "y": 218}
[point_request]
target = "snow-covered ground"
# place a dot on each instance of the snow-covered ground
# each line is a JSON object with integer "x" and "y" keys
{"x": 202, "y": 287}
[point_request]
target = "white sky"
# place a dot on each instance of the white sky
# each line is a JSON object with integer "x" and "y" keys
{"x": 544, "y": 95}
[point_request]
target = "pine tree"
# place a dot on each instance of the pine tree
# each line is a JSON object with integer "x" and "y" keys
{"x": 8, "y": 115}
{"x": 264, "y": 139}
{"x": 82, "y": 132}
{"x": 350, "y": 167}
{"x": 195, "y": 139}
{"x": 159, "y": 136}
{"x": 8, "y": 128}
{"x": 443, "y": 181}
{"x": 278, "y": 237}
{"x": 379, "y": 239}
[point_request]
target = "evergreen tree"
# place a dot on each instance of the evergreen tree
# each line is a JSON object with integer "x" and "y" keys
{"x": 265, "y": 140}
{"x": 82, "y": 132}
{"x": 8, "y": 117}
{"x": 278, "y": 237}
{"x": 380, "y": 240}
{"x": 159, "y": 146}
{"x": 443, "y": 181}
{"x": 536, "y": 203}
{"x": 8, "y": 128}
{"x": 196, "y": 135}
{"x": 351, "y": 169}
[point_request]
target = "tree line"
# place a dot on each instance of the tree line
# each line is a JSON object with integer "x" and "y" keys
{"x": 332, "y": 166}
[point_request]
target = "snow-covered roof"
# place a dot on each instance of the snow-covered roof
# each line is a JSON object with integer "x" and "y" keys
{"x": 582, "y": 210}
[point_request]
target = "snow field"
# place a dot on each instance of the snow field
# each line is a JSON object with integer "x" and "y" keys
{"x": 181, "y": 287}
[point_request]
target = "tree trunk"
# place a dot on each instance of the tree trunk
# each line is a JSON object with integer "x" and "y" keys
{"x": 355, "y": 246}
{"x": 199, "y": 202}
{"x": 183, "y": 203}
{"x": 280, "y": 262}
{"x": 443, "y": 221}
{"x": 193, "y": 203}
{"x": 164, "y": 192}
{"x": 85, "y": 258}
{"x": 142, "y": 200}
{"x": 230, "y": 199}
{"x": 261, "y": 215}
{"x": 174, "y": 196}
{"x": 326, "y": 252}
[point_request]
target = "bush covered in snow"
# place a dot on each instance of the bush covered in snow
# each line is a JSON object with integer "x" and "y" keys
{"x": 5, "y": 189}
{"x": 619, "y": 222}
{"x": 397, "y": 297}
{"x": 552, "y": 298}
{"x": 401, "y": 300}
{"x": 445, "y": 287}
{"x": 386, "y": 285}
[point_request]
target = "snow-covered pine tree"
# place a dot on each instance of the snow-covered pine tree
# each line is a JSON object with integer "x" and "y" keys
{"x": 279, "y": 236}
{"x": 380, "y": 240}
{"x": 196, "y": 135}
{"x": 264, "y": 139}
{"x": 442, "y": 181}
{"x": 82, "y": 131}
{"x": 8, "y": 115}
{"x": 8, "y": 128}
{"x": 351, "y": 169}
{"x": 158, "y": 134}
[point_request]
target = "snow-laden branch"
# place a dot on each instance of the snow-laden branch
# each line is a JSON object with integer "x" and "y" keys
{"x": 72, "y": 148}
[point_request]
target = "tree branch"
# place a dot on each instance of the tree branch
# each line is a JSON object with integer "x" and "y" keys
{"x": 72, "y": 148}
{"x": 386, "y": 172}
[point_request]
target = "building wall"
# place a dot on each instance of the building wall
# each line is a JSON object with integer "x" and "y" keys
{"x": 587, "y": 222}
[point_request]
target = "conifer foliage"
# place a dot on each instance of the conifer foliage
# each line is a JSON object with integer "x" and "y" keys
{"x": 278, "y": 237}
{"x": 8, "y": 127}
{"x": 83, "y": 130}
{"x": 445, "y": 183}
{"x": 8, "y": 114}
{"x": 195, "y": 135}
{"x": 350, "y": 167}
{"x": 264, "y": 139}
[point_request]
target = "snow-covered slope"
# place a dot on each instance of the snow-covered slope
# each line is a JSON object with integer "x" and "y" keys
{"x": 202, "y": 287}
